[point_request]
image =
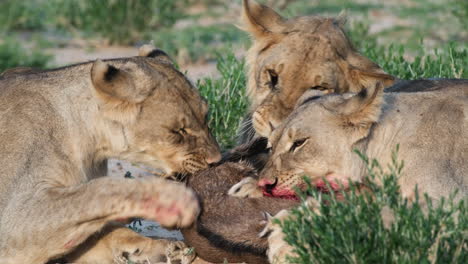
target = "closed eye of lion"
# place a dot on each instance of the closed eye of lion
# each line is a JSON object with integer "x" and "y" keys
{"x": 291, "y": 56}
{"x": 58, "y": 128}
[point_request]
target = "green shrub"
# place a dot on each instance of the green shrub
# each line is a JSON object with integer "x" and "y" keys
{"x": 24, "y": 15}
{"x": 196, "y": 43}
{"x": 120, "y": 21}
{"x": 354, "y": 231}
{"x": 12, "y": 54}
{"x": 451, "y": 61}
{"x": 459, "y": 8}
{"x": 226, "y": 98}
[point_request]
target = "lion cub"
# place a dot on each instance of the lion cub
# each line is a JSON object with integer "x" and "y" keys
{"x": 59, "y": 126}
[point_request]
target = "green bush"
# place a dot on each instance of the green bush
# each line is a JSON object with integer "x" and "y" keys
{"x": 12, "y": 54}
{"x": 449, "y": 62}
{"x": 459, "y": 8}
{"x": 354, "y": 231}
{"x": 24, "y": 15}
{"x": 120, "y": 21}
{"x": 226, "y": 98}
{"x": 195, "y": 43}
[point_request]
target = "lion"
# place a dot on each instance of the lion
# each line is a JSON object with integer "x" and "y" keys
{"x": 291, "y": 56}
{"x": 318, "y": 138}
{"x": 58, "y": 128}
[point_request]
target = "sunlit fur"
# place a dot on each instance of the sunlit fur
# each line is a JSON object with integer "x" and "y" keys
{"x": 58, "y": 128}
{"x": 430, "y": 127}
{"x": 309, "y": 52}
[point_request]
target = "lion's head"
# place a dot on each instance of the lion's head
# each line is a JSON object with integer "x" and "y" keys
{"x": 291, "y": 56}
{"x": 162, "y": 115}
{"x": 318, "y": 138}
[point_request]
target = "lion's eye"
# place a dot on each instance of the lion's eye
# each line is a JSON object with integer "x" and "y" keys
{"x": 182, "y": 131}
{"x": 273, "y": 79}
{"x": 318, "y": 87}
{"x": 297, "y": 144}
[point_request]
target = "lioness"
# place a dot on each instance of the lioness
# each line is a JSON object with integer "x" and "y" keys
{"x": 317, "y": 140}
{"x": 291, "y": 56}
{"x": 59, "y": 126}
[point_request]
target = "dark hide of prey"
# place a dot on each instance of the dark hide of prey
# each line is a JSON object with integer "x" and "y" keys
{"x": 228, "y": 227}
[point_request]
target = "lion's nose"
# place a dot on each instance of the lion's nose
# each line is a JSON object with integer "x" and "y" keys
{"x": 267, "y": 183}
{"x": 272, "y": 127}
{"x": 213, "y": 158}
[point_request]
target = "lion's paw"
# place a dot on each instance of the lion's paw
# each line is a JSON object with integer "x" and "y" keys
{"x": 178, "y": 252}
{"x": 170, "y": 203}
{"x": 246, "y": 188}
{"x": 278, "y": 249}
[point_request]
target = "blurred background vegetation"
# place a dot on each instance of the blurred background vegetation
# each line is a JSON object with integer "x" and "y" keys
{"x": 408, "y": 38}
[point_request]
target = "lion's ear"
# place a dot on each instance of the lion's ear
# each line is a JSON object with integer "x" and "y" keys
{"x": 151, "y": 51}
{"x": 260, "y": 20}
{"x": 365, "y": 73}
{"x": 116, "y": 91}
{"x": 360, "y": 110}
{"x": 342, "y": 19}
{"x": 114, "y": 84}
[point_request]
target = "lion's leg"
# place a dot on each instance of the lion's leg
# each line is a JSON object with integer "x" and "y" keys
{"x": 118, "y": 244}
{"x": 278, "y": 249}
{"x": 246, "y": 188}
{"x": 53, "y": 221}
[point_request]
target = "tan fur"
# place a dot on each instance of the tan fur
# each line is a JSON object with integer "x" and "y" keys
{"x": 59, "y": 126}
{"x": 278, "y": 249}
{"x": 117, "y": 244}
{"x": 430, "y": 126}
{"x": 427, "y": 118}
{"x": 304, "y": 53}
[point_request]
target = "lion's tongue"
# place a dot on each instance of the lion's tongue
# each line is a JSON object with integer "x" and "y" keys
{"x": 322, "y": 186}
{"x": 281, "y": 193}
{"x": 334, "y": 183}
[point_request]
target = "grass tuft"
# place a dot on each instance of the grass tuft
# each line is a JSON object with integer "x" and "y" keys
{"x": 450, "y": 61}
{"x": 226, "y": 98}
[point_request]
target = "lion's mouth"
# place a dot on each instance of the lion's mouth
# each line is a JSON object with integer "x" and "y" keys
{"x": 331, "y": 184}
{"x": 273, "y": 190}
{"x": 192, "y": 165}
